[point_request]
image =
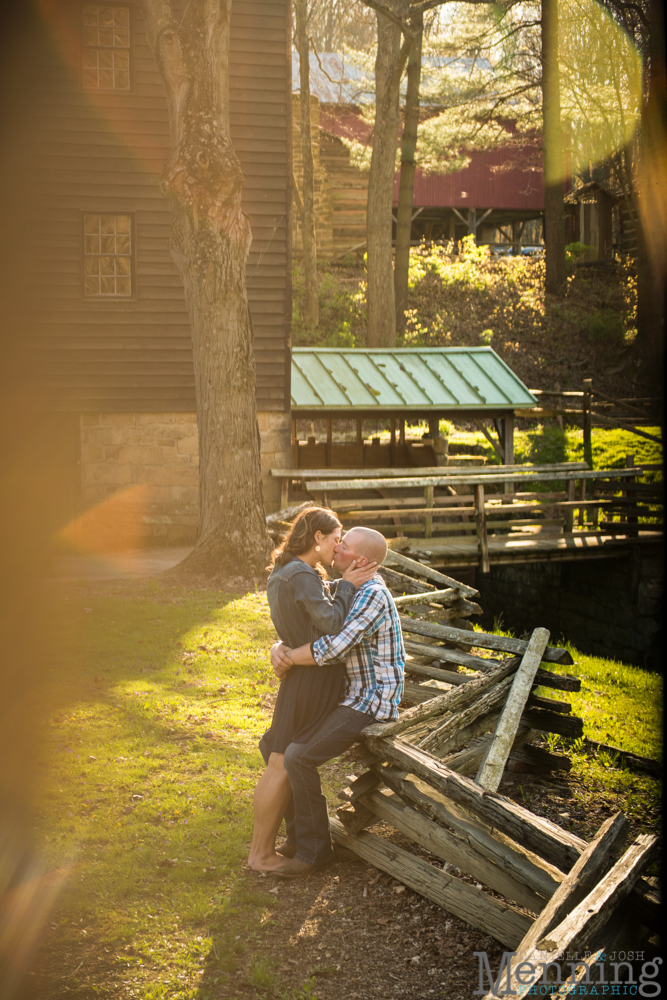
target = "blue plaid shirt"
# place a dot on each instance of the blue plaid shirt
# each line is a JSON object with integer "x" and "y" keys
{"x": 371, "y": 643}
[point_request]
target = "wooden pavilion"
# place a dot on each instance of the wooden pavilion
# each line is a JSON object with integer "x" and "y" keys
{"x": 401, "y": 385}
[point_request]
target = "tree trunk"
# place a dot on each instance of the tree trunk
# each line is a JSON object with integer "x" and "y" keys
{"x": 407, "y": 182}
{"x": 209, "y": 244}
{"x": 389, "y": 64}
{"x": 311, "y": 311}
{"x": 554, "y": 210}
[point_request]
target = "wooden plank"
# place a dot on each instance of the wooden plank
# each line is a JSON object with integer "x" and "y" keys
{"x": 490, "y": 506}
{"x": 450, "y": 701}
{"x": 449, "y": 847}
{"x": 482, "y": 639}
{"x": 473, "y": 905}
{"x": 539, "y": 880}
{"x": 482, "y": 538}
{"x": 550, "y": 704}
{"x": 493, "y": 763}
{"x": 431, "y": 470}
{"x": 610, "y": 422}
{"x": 579, "y": 928}
{"x": 361, "y": 784}
{"x": 559, "y": 682}
{"x": 553, "y": 722}
{"x": 484, "y": 703}
{"x": 467, "y": 761}
{"x": 469, "y": 480}
{"x": 395, "y": 558}
{"x": 403, "y": 583}
{"x": 593, "y": 863}
{"x": 538, "y": 760}
{"x": 633, "y": 760}
{"x": 478, "y": 727}
{"x": 445, "y": 596}
{"x": 437, "y": 674}
{"x": 558, "y": 847}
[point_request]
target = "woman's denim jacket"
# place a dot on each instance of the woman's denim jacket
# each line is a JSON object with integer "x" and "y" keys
{"x": 305, "y": 607}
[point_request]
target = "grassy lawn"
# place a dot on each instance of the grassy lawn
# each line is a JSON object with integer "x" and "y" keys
{"x": 149, "y": 764}
{"x": 149, "y": 759}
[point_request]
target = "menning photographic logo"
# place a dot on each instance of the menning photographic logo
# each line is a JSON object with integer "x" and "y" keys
{"x": 592, "y": 975}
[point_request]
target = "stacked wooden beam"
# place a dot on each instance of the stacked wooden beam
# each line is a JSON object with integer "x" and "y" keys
{"x": 433, "y": 776}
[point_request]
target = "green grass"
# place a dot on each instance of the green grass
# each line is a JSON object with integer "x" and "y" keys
{"x": 544, "y": 444}
{"x": 149, "y": 760}
{"x": 620, "y": 705}
{"x": 149, "y": 763}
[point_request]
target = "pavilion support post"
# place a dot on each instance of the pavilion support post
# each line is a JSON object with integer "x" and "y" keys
{"x": 428, "y": 503}
{"x": 508, "y": 446}
{"x": 569, "y": 516}
{"x": 587, "y": 422}
{"x": 438, "y": 441}
{"x": 401, "y": 431}
{"x": 329, "y": 442}
{"x": 360, "y": 431}
{"x": 482, "y": 537}
{"x": 392, "y": 442}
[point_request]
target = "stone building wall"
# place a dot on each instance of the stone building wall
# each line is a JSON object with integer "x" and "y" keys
{"x": 139, "y": 476}
{"x": 606, "y": 607}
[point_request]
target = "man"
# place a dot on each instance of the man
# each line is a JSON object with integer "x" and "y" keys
{"x": 372, "y": 645}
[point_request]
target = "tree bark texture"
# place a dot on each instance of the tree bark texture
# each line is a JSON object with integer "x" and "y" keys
{"x": 311, "y": 312}
{"x": 407, "y": 181}
{"x": 554, "y": 210}
{"x": 380, "y": 279}
{"x": 209, "y": 244}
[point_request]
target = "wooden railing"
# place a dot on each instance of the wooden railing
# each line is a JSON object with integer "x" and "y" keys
{"x": 592, "y": 407}
{"x": 400, "y": 502}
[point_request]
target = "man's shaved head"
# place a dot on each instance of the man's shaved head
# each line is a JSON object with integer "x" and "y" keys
{"x": 367, "y": 542}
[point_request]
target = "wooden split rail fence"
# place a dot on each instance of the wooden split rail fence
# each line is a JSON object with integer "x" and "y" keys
{"x": 433, "y": 776}
{"x": 590, "y": 406}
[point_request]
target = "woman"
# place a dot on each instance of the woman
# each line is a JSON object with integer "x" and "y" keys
{"x": 303, "y": 607}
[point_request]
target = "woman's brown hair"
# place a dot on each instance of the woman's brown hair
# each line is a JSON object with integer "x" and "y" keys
{"x": 301, "y": 536}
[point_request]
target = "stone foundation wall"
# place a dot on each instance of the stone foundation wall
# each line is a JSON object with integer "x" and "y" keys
{"x": 139, "y": 476}
{"x": 606, "y": 607}
{"x": 275, "y": 437}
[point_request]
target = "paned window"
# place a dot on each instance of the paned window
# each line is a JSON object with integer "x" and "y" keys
{"x": 107, "y": 256}
{"x": 106, "y": 47}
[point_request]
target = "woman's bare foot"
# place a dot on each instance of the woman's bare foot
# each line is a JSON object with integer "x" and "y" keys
{"x": 265, "y": 864}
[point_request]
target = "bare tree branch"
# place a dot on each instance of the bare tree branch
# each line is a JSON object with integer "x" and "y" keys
{"x": 391, "y": 15}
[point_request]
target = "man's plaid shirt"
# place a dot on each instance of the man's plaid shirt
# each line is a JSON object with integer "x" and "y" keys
{"x": 371, "y": 643}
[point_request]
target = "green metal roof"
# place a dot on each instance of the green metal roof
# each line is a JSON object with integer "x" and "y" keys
{"x": 404, "y": 379}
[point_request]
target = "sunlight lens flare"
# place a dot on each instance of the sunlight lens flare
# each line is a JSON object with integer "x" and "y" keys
{"x": 601, "y": 82}
{"x": 115, "y": 525}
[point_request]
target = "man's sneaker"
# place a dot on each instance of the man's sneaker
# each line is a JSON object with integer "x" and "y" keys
{"x": 297, "y": 869}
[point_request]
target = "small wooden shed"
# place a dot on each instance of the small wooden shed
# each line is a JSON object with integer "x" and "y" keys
{"x": 400, "y": 384}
